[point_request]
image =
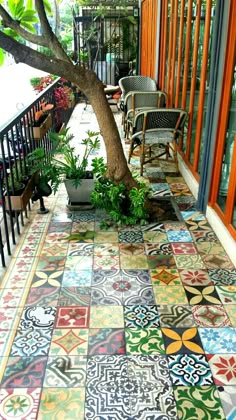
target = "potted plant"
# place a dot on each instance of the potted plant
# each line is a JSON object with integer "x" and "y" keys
{"x": 42, "y": 120}
{"x": 18, "y": 186}
{"x": 68, "y": 166}
{"x": 64, "y": 100}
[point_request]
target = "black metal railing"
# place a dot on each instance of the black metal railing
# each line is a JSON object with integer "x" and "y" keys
{"x": 18, "y": 138}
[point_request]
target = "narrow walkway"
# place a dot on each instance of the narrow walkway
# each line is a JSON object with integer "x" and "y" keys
{"x": 138, "y": 323}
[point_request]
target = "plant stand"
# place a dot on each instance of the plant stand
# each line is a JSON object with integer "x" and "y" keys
{"x": 42, "y": 209}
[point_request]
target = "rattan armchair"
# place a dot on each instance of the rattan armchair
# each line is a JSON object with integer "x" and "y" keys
{"x": 152, "y": 128}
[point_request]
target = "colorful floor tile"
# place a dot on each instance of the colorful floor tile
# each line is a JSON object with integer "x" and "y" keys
{"x": 182, "y": 341}
{"x": 55, "y": 402}
{"x": 144, "y": 341}
{"x": 189, "y": 402}
{"x": 189, "y": 370}
{"x": 218, "y": 340}
{"x": 137, "y": 323}
{"x": 19, "y": 403}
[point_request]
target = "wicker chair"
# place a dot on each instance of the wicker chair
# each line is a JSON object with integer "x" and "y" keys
{"x": 136, "y": 101}
{"x": 152, "y": 128}
{"x": 136, "y": 83}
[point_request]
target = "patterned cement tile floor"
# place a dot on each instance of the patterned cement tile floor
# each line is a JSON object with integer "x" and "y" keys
{"x": 139, "y": 323}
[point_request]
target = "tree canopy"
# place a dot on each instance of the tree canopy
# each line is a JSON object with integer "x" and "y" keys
{"x": 25, "y": 25}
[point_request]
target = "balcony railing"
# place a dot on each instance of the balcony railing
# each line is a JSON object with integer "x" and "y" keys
{"x": 18, "y": 138}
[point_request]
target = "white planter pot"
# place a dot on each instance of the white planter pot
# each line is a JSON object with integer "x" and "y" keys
{"x": 80, "y": 194}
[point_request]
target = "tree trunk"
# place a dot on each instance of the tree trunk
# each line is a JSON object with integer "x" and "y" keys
{"x": 117, "y": 167}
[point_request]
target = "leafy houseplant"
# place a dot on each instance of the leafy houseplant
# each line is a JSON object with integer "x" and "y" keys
{"x": 65, "y": 164}
{"x": 123, "y": 206}
{"x": 18, "y": 187}
{"x": 42, "y": 120}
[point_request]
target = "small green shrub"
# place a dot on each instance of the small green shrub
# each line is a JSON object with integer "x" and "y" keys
{"x": 123, "y": 206}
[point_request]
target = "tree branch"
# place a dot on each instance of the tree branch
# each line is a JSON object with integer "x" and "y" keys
{"x": 52, "y": 40}
{"x": 28, "y": 36}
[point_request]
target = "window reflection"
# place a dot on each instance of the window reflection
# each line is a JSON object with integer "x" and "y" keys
{"x": 228, "y": 151}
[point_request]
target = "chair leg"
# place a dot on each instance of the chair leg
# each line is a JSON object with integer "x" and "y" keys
{"x": 131, "y": 149}
{"x": 175, "y": 157}
{"x": 142, "y": 158}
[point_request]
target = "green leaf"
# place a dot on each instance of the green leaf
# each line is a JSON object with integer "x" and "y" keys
{"x": 47, "y": 6}
{"x": 89, "y": 234}
{"x": 1, "y": 56}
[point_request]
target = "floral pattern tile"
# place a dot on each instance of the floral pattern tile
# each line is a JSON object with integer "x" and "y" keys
{"x": 47, "y": 279}
{"x": 190, "y": 370}
{"x": 72, "y": 317}
{"x": 204, "y": 236}
{"x": 28, "y": 342}
{"x": 112, "y": 372}
{"x": 220, "y": 276}
{"x": 17, "y": 370}
{"x": 227, "y": 294}
{"x": 19, "y": 403}
{"x": 34, "y": 317}
{"x": 214, "y": 316}
{"x": 128, "y": 236}
{"x": 106, "y": 249}
{"x": 106, "y": 262}
{"x": 178, "y": 226}
{"x": 55, "y": 402}
{"x": 43, "y": 296}
{"x": 155, "y": 237}
{"x": 78, "y": 278}
{"x": 51, "y": 264}
{"x": 231, "y": 312}
{"x": 217, "y": 261}
{"x": 223, "y": 367}
{"x": 74, "y": 296}
{"x": 10, "y": 298}
{"x": 193, "y": 277}
{"x": 144, "y": 341}
{"x": 71, "y": 341}
{"x": 189, "y": 261}
{"x": 106, "y": 237}
{"x": 106, "y": 341}
{"x": 8, "y": 317}
{"x": 80, "y": 249}
{"x": 179, "y": 316}
{"x": 170, "y": 295}
{"x": 65, "y": 371}
{"x": 194, "y": 225}
{"x": 106, "y": 317}
{"x": 54, "y": 249}
{"x": 182, "y": 248}
{"x": 141, "y": 316}
{"x": 77, "y": 263}
{"x": 134, "y": 261}
{"x": 132, "y": 249}
{"x": 218, "y": 340}
{"x": 179, "y": 236}
{"x": 189, "y": 402}
{"x": 158, "y": 249}
{"x": 161, "y": 261}
{"x": 202, "y": 295}
{"x": 182, "y": 341}
{"x": 165, "y": 277}
{"x": 213, "y": 248}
